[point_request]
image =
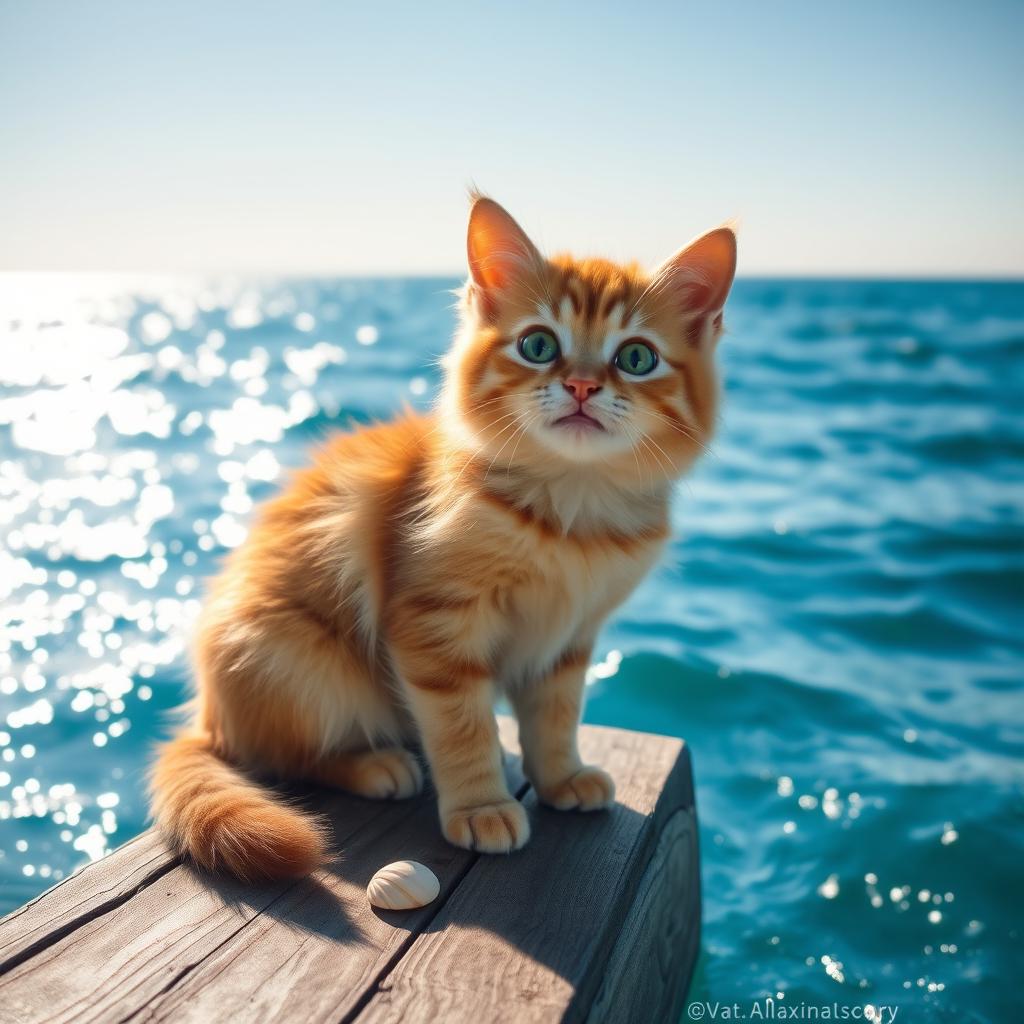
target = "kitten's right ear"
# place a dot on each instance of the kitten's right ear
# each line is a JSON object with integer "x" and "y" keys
{"x": 499, "y": 250}
{"x": 700, "y": 275}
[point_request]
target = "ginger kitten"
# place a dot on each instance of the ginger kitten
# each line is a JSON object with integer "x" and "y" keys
{"x": 421, "y": 567}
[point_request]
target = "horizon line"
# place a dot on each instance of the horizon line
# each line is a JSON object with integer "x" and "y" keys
{"x": 923, "y": 277}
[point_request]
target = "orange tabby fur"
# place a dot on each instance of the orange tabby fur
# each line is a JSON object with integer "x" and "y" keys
{"x": 421, "y": 567}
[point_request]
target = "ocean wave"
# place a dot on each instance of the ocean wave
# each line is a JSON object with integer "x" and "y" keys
{"x": 835, "y": 631}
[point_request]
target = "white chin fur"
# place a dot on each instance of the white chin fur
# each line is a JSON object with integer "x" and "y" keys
{"x": 580, "y": 443}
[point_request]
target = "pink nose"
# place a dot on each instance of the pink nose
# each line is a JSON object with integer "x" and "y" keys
{"x": 581, "y": 389}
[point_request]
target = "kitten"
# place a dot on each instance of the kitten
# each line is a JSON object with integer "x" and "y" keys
{"x": 422, "y": 567}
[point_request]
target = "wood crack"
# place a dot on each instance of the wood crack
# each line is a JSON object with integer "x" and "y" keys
{"x": 189, "y": 968}
{"x": 54, "y": 936}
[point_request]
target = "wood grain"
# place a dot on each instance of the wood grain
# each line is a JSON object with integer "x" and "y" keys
{"x": 662, "y": 933}
{"x": 334, "y": 946}
{"x": 596, "y": 911}
{"x": 145, "y": 936}
{"x": 119, "y": 962}
{"x": 89, "y": 893}
{"x": 538, "y": 921}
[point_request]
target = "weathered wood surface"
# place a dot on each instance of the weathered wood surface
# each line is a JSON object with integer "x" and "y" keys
{"x": 596, "y": 919}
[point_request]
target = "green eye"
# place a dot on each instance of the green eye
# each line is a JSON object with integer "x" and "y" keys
{"x": 636, "y": 358}
{"x": 538, "y": 346}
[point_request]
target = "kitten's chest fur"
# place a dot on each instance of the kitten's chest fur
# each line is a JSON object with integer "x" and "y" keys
{"x": 558, "y": 604}
{"x": 562, "y": 558}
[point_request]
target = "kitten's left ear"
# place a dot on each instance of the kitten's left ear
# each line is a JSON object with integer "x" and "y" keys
{"x": 699, "y": 276}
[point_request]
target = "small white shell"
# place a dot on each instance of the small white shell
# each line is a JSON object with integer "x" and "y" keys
{"x": 403, "y": 885}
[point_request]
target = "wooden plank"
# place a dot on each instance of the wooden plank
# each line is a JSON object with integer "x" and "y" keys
{"x": 94, "y": 890}
{"x": 526, "y": 938}
{"x": 661, "y": 932}
{"x": 191, "y": 937}
{"x": 552, "y": 932}
{"x": 115, "y": 964}
{"x": 320, "y": 947}
{"x": 331, "y": 951}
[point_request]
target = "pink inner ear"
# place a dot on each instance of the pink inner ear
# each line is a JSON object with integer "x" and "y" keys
{"x": 702, "y": 273}
{"x": 695, "y": 331}
{"x": 498, "y": 248}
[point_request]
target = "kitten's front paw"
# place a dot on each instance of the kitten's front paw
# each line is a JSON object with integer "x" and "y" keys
{"x": 590, "y": 789}
{"x": 490, "y": 828}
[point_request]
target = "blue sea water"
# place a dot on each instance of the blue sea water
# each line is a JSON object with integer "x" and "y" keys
{"x": 837, "y": 631}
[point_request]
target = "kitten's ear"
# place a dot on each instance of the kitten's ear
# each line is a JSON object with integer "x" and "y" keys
{"x": 700, "y": 275}
{"x": 499, "y": 250}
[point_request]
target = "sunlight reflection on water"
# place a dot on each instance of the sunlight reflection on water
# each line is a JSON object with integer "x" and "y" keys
{"x": 835, "y": 633}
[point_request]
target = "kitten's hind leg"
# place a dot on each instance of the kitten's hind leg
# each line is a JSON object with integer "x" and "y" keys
{"x": 388, "y": 774}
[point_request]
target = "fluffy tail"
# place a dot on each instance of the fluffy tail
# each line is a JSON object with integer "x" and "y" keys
{"x": 225, "y": 821}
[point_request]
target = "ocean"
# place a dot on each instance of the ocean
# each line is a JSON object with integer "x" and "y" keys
{"x": 836, "y": 632}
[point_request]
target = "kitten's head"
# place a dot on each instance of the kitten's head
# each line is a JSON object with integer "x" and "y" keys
{"x": 586, "y": 361}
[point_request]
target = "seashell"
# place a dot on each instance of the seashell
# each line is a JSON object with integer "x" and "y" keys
{"x": 403, "y": 885}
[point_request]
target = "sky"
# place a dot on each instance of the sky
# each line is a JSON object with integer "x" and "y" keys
{"x": 872, "y": 139}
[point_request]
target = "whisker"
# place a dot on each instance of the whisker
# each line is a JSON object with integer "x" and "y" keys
{"x": 634, "y": 435}
{"x": 483, "y": 405}
{"x": 674, "y": 425}
{"x": 512, "y": 459}
{"x": 469, "y": 461}
{"x": 505, "y": 445}
{"x": 645, "y": 441}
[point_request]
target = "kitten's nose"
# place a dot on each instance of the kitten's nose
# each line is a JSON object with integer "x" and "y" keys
{"x": 580, "y": 388}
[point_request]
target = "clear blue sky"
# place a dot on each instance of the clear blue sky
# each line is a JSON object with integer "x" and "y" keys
{"x": 866, "y": 138}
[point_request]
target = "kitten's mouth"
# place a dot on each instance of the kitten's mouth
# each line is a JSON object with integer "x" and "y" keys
{"x": 580, "y": 420}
